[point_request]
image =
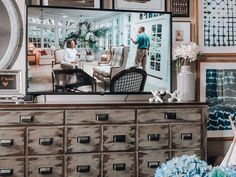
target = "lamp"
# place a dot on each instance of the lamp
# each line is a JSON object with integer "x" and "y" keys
{"x": 31, "y": 47}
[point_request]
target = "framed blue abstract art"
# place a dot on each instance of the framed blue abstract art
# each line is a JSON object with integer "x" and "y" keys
{"x": 217, "y": 81}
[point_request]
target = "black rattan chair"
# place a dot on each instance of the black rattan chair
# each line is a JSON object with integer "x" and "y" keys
{"x": 128, "y": 80}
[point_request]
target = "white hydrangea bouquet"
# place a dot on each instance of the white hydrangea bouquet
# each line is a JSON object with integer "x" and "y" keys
{"x": 184, "y": 54}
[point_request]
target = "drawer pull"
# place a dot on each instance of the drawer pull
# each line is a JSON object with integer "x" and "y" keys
{"x": 26, "y": 119}
{"x": 119, "y": 167}
{"x": 186, "y": 136}
{"x": 170, "y": 115}
{"x": 153, "y": 164}
{"x": 45, "y": 170}
{"x": 83, "y": 169}
{"x": 6, "y": 142}
{"x": 46, "y": 141}
{"x": 153, "y": 137}
{"x": 83, "y": 139}
{"x": 102, "y": 117}
{"x": 119, "y": 138}
{"x": 6, "y": 172}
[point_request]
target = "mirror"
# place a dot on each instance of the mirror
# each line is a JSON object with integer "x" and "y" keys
{"x": 11, "y": 33}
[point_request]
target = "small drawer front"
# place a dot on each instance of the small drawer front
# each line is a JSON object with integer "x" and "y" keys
{"x": 31, "y": 117}
{"x": 153, "y": 136}
{"x": 45, "y": 140}
{"x": 83, "y": 139}
{"x": 170, "y": 115}
{"x": 181, "y": 153}
{"x": 84, "y": 165}
{"x": 12, "y": 141}
{"x": 149, "y": 161}
{"x": 45, "y": 166}
{"x": 118, "y": 138}
{"x": 122, "y": 164}
{"x": 100, "y": 116}
{"x": 13, "y": 167}
{"x": 186, "y": 136}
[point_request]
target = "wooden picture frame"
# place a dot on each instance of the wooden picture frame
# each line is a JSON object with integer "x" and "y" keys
{"x": 180, "y": 8}
{"x": 144, "y": 5}
{"x": 216, "y": 78}
{"x": 10, "y": 83}
{"x": 214, "y": 27}
{"x": 181, "y": 32}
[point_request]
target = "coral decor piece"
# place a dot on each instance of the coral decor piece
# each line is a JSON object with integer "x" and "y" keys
{"x": 158, "y": 96}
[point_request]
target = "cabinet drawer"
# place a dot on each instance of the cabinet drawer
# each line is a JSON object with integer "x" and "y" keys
{"x": 83, "y": 138}
{"x": 149, "y": 161}
{"x": 153, "y": 136}
{"x": 46, "y": 140}
{"x": 122, "y": 164}
{"x": 45, "y": 166}
{"x": 12, "y": 141}
{"x": 84, "y": 165}
{"x": 100, "y": 116}
{"x": 13, "y": 167}
{"x": 118, "y": 138}
{"x": 170, "y": 115}
{"x": 31, "y": 117}
{"x": 186, "y": 136}
{"x": 181, "y": 153}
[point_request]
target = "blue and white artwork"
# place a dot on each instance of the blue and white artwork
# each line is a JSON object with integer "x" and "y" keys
{"x": 221, "y": 97}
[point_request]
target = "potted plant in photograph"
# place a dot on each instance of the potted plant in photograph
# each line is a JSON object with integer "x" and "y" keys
{"x": 184, "y": 54}
{"x": 88, "y": 38}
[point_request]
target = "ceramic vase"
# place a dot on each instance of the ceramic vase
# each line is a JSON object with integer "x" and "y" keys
{"x": 186, "y": 84}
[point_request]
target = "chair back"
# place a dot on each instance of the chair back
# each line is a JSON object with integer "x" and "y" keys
{"x": 59, "y": 55}
{"x": 129, "y": 80}
{"x": 117, "y": 56}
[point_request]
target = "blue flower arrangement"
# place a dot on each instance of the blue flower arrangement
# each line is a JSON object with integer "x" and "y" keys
{"x": 185, "y": 166}
{"x": 191, "y": 166}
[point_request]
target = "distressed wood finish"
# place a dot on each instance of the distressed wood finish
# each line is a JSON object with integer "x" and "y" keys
{"x": 109, "y": 134}
{"x": 78, "y": 135}
{"x": 12, "y": 141}
{"x": 158, "y": 115}
{"x": 89, "y": 116}
{"x": 38, "y": 117}
{"x": 16, "y": 164}
{"x": 191, "y": 152}
{"x": 110, "y": 160}
{"x": 149, "y": 160}
{"x": 75, "y": 162}
{"x": 54, "y": 162}
{"x": 153, "y": 136}
{"x": 35, "y": 134}
{"x": 177, "y": 132}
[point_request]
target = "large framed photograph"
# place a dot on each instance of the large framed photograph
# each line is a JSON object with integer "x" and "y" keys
{"x": 181, "y": 32}
{"x": 217, "y": 86}
{"x": 180, "y": 8}
{"x": 149, "y": 5}
{"x": 68, "y": 3}
{"x": 216, "y": 26}
{"x": 10, "y": 82}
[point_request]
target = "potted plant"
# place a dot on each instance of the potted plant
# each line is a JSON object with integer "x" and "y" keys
{"x": 88, "y": 38}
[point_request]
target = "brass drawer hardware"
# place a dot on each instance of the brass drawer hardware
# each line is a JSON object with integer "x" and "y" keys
{"x": 119, "y": 167}
{"x": 46, "y": 141}
{"x": 6, "y": 172}
{"x": 45, "y": 170}
{"x": 6, "y": 142}
{"x": 83, "y": 139}
{"x": 153, "y": 137}
{"x": 83, "y": 169}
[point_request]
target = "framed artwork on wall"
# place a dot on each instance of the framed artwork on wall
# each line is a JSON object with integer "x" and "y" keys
{"x": 149, "y": 5}
{"x": 181, "y": 32}
{"x": 216, "y": 26}
{"x": 68, "y": 3}
{"x": 180, "y": 8}
{"x": 217, "y": 86}
{"x": 10, "y": 82}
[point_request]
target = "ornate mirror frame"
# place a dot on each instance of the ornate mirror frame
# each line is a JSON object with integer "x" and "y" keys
{"x": 16, "y": 34}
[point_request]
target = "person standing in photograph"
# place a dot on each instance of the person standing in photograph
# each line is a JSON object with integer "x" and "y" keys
{"x": 143, "y": 42}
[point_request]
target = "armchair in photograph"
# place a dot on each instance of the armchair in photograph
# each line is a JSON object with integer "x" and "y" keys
{"x": 129, "y": 80}
{"x": 117, "y": 63}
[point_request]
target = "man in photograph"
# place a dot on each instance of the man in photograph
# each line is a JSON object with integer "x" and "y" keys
{"x": 143, "y": 42}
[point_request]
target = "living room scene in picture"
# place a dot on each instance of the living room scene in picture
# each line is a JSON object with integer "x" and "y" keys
{"x": 78, "y": 50}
